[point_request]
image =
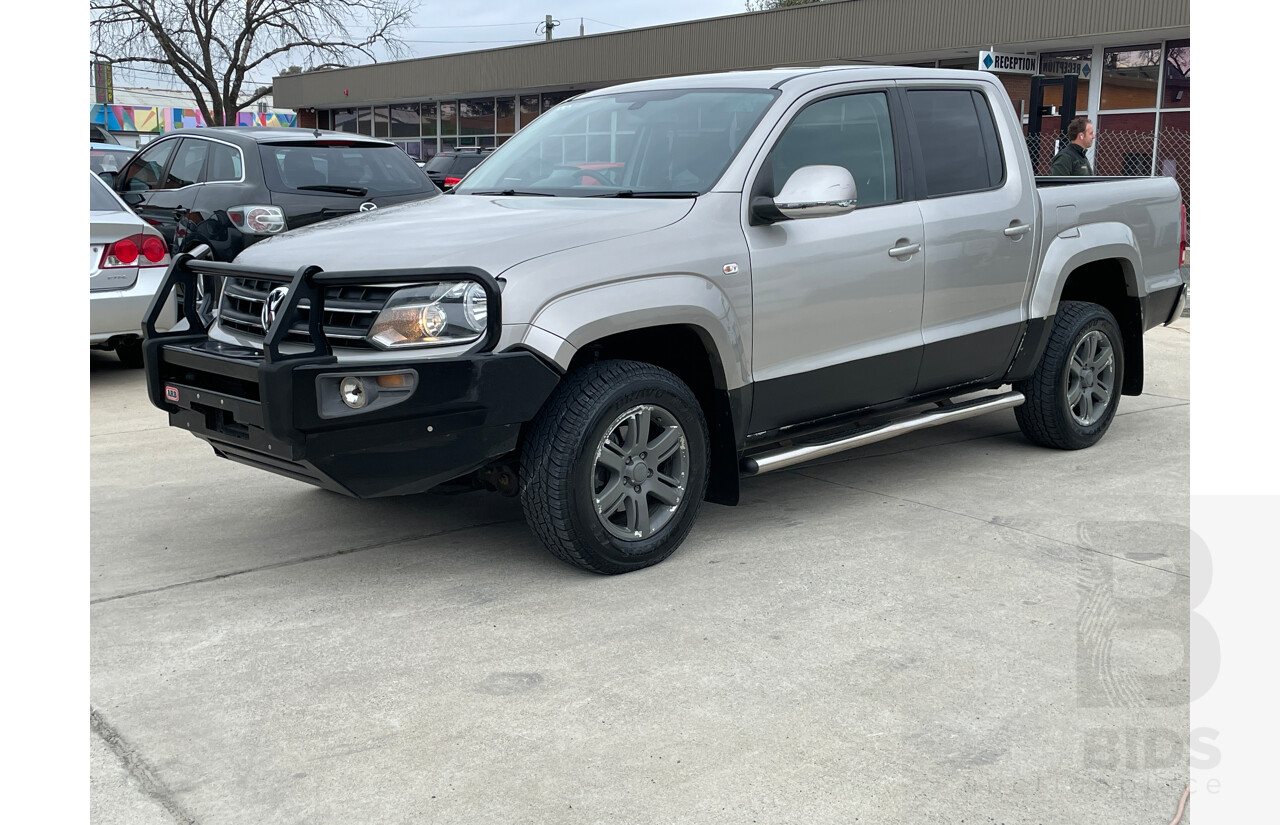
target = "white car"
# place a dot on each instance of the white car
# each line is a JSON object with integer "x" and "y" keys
{"x": 127, "y": 263}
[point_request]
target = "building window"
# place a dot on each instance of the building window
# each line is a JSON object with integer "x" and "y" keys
{"x": 550, "y": 99}
{"x": 1177, "y": 75}
{"x": 381, "y": 122}
{"x": 529, "y": 109}
{"x": 344, "y": 120}
{"x": 364, "y": 122}
{"x": 429, "y": 120}
{"x": 449, "y": 119}
{"x": 475, "y": 117}
{"x": 322, "y": 119}
{"x": 405, "y": 120}
{"x": 412, "y": 148}
{"x": 1058, "y": 64}
{"x": 1130, "y": 76}
{"x": 506, "y": 111}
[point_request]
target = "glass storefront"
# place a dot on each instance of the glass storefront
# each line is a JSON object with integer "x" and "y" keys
{"x": 1177, "y": 75}
{"x": 1130, "y": 77}
{"x": 427, "y": 128}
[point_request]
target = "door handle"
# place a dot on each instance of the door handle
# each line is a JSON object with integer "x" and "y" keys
{"x": 1017, "y": 230}
{"x": 904, "y": 251}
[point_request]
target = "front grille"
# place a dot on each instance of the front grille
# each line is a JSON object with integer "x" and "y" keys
{"x": 349, "y": 311}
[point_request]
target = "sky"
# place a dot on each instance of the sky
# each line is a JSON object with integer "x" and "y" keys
{"x": 445, "y": 28}
{"x": 510, "y": 22}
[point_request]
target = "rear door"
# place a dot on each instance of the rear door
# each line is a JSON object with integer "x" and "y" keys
{"x": 837, "y": 300}
{"x": 979, "y": 219}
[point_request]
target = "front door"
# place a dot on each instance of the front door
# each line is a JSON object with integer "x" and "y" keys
{"x": 837, "y": 300}
{"x": 161, "y": 184}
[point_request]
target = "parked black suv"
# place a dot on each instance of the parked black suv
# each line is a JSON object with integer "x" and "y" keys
{"x": 229, "y": 187}
{"x": 447, "y": 168}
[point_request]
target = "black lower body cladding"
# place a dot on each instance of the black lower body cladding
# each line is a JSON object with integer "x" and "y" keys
{"x": 464, "y": 412}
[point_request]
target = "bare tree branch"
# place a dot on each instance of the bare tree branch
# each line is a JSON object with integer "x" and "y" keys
{"x": 212, "y": 46}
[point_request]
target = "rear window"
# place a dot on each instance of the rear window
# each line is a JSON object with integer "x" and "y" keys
{"x": 341, "y": 169}
{"x": 440, "y": 163}
{"x": 100, "y": 200}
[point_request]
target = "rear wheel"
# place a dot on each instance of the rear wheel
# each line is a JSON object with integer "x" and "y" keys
{"x": 615, "y": 467}
{"x": 1073, "y": 394}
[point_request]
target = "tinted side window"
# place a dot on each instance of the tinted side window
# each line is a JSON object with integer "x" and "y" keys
{"x": 853, "y": 131}
{"x": 145, "y": 170}
{"x": 188, "y": 167}
{"x": 225, "y": 163}
{"x": 957, "y": 140}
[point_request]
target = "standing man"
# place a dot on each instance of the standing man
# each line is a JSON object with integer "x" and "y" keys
{"x": 1072, "y": 159}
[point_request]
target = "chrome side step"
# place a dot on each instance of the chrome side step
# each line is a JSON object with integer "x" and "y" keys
{"x": 790, "y": 456}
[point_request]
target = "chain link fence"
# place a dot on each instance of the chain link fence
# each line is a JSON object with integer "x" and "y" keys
{"x": 1166, "y": 153}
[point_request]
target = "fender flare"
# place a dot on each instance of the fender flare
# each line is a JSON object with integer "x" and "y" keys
{"x": 1082, "y": 245}
{"x": 578, "y": 318}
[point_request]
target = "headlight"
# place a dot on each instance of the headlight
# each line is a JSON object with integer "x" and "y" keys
{"x": 453, "y": 312}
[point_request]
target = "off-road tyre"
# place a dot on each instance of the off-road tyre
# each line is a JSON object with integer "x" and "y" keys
{"x": 1047, "y": 417}
{"x": 560, "y": 470}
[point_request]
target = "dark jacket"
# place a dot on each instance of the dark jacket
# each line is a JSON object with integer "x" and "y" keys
{"x": 1070, "y": 161}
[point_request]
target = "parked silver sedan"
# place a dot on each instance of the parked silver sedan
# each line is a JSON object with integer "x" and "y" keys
{"x": 127, "y": 263}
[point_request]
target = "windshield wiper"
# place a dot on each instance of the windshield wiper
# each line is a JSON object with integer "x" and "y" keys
{"x": 630, "y": 193}
{"x": 513, "y": 193}
{"x": 358, "y": 191}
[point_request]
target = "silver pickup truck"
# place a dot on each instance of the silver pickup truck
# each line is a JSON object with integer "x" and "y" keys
{"x": 656, "y": 288}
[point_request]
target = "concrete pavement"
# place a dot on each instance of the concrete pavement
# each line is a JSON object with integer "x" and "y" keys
{"x": 954, "y": 626}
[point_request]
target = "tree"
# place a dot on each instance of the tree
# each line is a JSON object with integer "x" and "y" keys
{"x": 765, "y": 5}
{"x": 214, "y": 47}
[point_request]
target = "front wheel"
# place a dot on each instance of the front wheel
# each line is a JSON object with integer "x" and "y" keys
{"x": 615, "y": 467}
{"x": 1073, "y": 394}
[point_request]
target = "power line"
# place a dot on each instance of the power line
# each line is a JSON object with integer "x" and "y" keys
{"x": 464, "y": 42}
{"x": 476, "y": 26}
{"x": 601, "y": 22}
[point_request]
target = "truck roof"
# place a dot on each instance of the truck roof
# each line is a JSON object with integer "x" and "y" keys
{"x": 808, "y": 76}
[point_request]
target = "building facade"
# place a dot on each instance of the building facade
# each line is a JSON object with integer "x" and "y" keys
{"x": 140, "y": 115}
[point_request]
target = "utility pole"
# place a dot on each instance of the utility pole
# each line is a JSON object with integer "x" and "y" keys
{"x": 550, "y": 24}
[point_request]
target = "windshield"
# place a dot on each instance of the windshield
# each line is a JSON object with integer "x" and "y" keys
{"x": 670, "y": 142}
{"x": 355, "y": 169}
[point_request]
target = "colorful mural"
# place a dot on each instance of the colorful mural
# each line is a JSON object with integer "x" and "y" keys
{"x": 119, "y": 118}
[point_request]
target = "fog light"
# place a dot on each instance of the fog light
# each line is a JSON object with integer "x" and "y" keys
{"x": 353, "y": 393}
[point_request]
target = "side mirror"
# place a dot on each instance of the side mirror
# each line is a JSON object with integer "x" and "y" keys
{"x": 810, "y": 192}
{"x": 109, "y": 177}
